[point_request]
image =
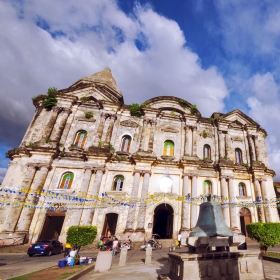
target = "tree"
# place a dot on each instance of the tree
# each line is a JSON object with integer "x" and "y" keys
{"x": 267, "y": 234}
{"x": 79, "y": 236}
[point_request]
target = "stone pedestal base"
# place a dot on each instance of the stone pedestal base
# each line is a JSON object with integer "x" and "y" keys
{"x": 217, "y": 265}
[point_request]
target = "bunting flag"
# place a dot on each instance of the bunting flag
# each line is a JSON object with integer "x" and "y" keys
{"x": 46, "y": 199}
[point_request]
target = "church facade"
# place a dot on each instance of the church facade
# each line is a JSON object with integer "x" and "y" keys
{"x": 89, "y": 159}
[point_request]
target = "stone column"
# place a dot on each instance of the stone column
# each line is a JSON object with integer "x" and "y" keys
{"x": 76, "y": 214}
{"x": 233, "y": 214}
{"x": 49, "y": 127}
{"x": 194, "y": 208}
{"x": 265, "y": 198}
{"x": 256, "y": 144}
{"x": 134, "y": 194}
{"x": 15, "y": 212}
{"x": 145, "y": 188}
{"x": 60, "y": 124}
{"x": 194, "y": 146}
{"x": 109, "y": 131}
{"x": 221, "y": 144}
{"x": 259, "y": 198}
{"x": 94, "y": 191}
{"x": 100, "y": 130}
{"x": 227, "y": 144}
{"x": 142, "y": 138}
{"x": 186, "y": 152}
{"x": 225, "y": 207}
{"x": 185, "y": 224}
{"x": 27, "y": 214}
{"x": 251, "y": 147}
{"x": 152, "y": 137}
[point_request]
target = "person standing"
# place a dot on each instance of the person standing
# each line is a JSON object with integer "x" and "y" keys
{"x": 115, "y": 245}
{"x": 179, "y": 239}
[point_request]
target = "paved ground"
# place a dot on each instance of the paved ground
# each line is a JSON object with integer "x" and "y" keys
{"x": 12, "y": 265}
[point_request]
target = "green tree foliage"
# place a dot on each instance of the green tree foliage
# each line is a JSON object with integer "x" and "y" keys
{"x": 49, "y": 100}
{"x": 88, "y": 115}
{"x": 135, "y": 110}
{"x": 79, "y": 236}
{"x": 267, "y": 234}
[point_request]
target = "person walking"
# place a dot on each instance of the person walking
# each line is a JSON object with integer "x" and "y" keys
{"x": 115, "y": 245}
{"x": 179, "y": 239}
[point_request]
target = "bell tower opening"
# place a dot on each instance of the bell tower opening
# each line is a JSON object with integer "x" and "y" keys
{"x": 110, "y": 224}
{"x": 163, "y": 221}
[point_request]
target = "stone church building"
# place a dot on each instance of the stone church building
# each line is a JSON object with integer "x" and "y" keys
{"x": 132, "y": 171}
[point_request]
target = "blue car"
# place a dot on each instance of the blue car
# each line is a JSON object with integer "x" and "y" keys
{"x": 45, "y": 247}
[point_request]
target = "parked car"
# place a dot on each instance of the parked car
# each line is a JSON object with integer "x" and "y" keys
{"x": 45, "y": 247}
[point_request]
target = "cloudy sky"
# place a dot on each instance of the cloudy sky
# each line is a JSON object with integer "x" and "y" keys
{"x": 220, "y": 55}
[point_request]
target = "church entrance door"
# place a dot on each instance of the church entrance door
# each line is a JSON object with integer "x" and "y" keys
{"x": 163, "y": 221}
{"x": 52, "y": 225}
{"x": 245, "y": 218}
{"x": 110, "y": 224}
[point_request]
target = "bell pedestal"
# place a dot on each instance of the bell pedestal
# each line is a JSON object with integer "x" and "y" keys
{"x": 218, "y": 266}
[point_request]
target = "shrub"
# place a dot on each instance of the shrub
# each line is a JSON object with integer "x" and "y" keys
{"x": 79, "y": 236}
{"x": 52, "y": 91}
{"x": 267, "y": 234}
{"x": 183, "y": 103}
{"x": 101, "y": 144}
{"x": 88, "y": 115}
{"x": 35, "y": 98}
{"x": 49, "y": 102}
{"x": 84, "y": 98}
{"x": 204, "y": 134}
{"x": 193, "y": 109}
{"x": 135, "y": 110}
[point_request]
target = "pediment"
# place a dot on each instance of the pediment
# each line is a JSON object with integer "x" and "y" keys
{"x": 129, "y": 123}
{"x": 238, "y": 118}
{"x": 169, "y": 103}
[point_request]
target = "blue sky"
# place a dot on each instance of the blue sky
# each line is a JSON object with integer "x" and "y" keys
{"x": 220, "y": 55}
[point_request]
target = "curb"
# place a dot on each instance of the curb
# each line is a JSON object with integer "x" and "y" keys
{"x": 271, "y": 259}
{"x": 81, "y": 273}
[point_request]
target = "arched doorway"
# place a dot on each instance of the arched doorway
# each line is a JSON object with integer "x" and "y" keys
{"x": 163, "y": 221}
{"x": 110, "y": 224}
{"x": 245, "y": 218}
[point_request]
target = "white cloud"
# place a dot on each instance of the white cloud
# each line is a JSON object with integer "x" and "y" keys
{"x": 2, "y": 173}
{"x": 264, "y": 106}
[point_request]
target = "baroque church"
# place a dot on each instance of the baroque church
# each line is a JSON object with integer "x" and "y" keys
{"x": 89, "y": 159}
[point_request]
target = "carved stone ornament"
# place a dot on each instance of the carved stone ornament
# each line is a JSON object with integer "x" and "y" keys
{"x": 129, "y": 123}
{"x": 236, "y": 138}
{"x": 170, "y": 129}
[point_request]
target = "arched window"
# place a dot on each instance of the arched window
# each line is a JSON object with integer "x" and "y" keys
{"x": 118, "y": 183}
{"x": 126, "y": 140}
{"x": 168, "y": 149}
{"x": 242, "y": 189}
{"x": 238, "y": 156}
{"x": 207, "y": 187}
{"x": 206, "y": 152}
{"x": 66, "y": 180}
{"x": 81, "y": 139}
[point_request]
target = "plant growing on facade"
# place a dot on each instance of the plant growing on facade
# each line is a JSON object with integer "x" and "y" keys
{"x": 101, "y": 144}
{"x": 194, "y": 109}
{"x": 118, "y": 158}
{"x": 111, "y": 147}
{"x": 267, "y": 234}
{"x": 183, "y": 103}
{"x": 84, "y": 98}
{"x": 144, "y": 105}
{"x": 73, "y": 145}
{"x": 36, "y": 97}
{"x": 135, "y": 110}
{"x": 204, "y": 134}
{"x": 212, "y": 120}
{"x": 50, "y": 100}
{"x": 48, "y": 140}
{"x": 246, "y": 165}
{"x": 172, "y": 113}
{"x": 88, "y": 115}
{"x": 79, "y": 236}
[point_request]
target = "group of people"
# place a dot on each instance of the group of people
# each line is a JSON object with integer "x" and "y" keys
{"x": 103, "y": 241}
{"x": 71, "y": 255}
